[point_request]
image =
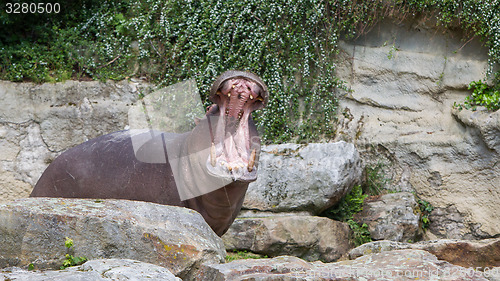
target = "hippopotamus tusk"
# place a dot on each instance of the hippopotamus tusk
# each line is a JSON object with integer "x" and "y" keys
{"x": 108, "y": 167}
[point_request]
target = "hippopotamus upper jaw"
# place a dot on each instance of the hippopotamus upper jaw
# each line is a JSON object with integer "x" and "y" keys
{"x": 235, "y": 143}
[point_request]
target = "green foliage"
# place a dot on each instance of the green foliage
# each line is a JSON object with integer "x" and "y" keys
{"x": 392, "y": 52}
{"x": 360, "y": 232}
{"x": 292, "y": 45}
{"x": 345, "y": 210}
{"x": 351, "y": 204}
{"x": 376, "y": 179}
{"x": 70, "y": 260}
{"x": 239, "y": 255}
{"x": 482, "y": 95}
{"x": 68, "y": 243}
{"x": 426, "y": 208}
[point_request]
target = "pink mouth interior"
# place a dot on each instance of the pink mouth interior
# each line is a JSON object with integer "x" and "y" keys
{"x": 232, "y": 150}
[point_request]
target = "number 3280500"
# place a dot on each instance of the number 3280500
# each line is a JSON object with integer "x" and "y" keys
{"x": 32, "y": 8}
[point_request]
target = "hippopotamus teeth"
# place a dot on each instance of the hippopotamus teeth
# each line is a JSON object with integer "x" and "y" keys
{"x": 251, "y": 162}
{"x": 212, "y": 155}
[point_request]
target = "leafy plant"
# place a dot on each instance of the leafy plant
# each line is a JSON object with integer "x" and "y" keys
{"x": 426, "y": 208}
{"x": 482, "y": 95}
{"x": 392, "y": 51}
{"x": 345, "y": 210}
{"x": 350, "y": 205}
{"x": 68, "y": 243}
{"x": 70, "y": 259}
{"x": 376, "y": 179}
{"x": 239, "y": 255}
{"x": 360, "y": 232}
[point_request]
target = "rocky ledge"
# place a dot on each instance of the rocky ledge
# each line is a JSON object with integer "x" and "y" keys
{"x": 129, "y": 240}
{"x": 393, "y": 265}
{"x": 34, "y": 230}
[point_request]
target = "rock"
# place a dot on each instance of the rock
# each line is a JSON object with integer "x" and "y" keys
{"x": 405, "y": 78}
{"x": 301, "y": 235}
{"x": 395, "y": 265}
{"x": 492, "y": 274}
{"x": 377, "y": 247}
{"x": 475, "y": 254}
{"x": 449, "y": 222}
{"x": 279, "y": 268}
{"x": 393, "y": 216}
{"x": 95, "y": 270}
{"x": 24, "y": 158}
{"x": 309, "y": 178}
{"x": 33, "y": 230}
{"x": 488, "y": 124}
{"x": 39, "y": 121}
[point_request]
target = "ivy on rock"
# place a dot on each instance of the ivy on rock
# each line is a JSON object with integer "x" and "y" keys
{"x": 292, "y": 45}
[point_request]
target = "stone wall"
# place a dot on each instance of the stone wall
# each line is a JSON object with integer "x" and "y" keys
{"x": 38, "y": 122}
{"x": 405, "y": 78}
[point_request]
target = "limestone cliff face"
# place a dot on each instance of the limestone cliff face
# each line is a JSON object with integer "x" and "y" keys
{"x": 38, "y": 122}
{"x": 405, "y": 79}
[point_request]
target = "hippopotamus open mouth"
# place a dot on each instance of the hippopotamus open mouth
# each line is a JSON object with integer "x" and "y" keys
{"x": 235, "y": 142}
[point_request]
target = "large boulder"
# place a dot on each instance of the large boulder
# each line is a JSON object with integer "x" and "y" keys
{"x": 33, "y": 230}
{"x": 393, "y": 216}
{"x": 311, "y": 178}
{"x": 395, "y": 265}
{"x": 308, "y": 237}
{"x": 476, "y": 254}
{"x": 96, "y": 270}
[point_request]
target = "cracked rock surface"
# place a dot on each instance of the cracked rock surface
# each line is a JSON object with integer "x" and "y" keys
{"x": 405, "y": 79}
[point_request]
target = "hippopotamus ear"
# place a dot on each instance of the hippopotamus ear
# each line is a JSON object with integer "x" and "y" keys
{"x": 230, "y": 74}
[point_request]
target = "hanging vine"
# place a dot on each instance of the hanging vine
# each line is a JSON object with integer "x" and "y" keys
{"x": 292, "y": 45}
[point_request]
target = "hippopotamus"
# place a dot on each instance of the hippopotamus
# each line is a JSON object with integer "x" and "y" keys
{"x": 223, "y": 149}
